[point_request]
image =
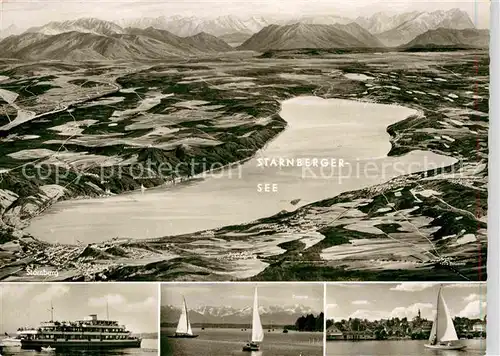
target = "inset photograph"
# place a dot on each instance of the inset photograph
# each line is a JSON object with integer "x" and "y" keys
{"x": 411, "y": 319}
{"x": 268, "y": 319}
{"x": 79, "y": 319}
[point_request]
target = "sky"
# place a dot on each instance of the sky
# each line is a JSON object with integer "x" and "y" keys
{"x": 27, "y": 13}
{"x": 26, "y": 305}
{"x": 383, "y": 301}
{"x": 240, "y": 295}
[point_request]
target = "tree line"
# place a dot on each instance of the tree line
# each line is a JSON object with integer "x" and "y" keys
{"x": 308, "y": 322}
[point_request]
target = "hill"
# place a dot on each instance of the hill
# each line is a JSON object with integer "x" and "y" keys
{"x": 302, "y": 35}
{"x": 207, "y": 43}
{"x": 236, "y": 38}
{"x": 445, "y": 37}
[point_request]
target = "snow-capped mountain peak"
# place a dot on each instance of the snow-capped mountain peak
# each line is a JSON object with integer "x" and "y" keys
{"x": 84, "y": 25}
{"x": 217, "y": 314}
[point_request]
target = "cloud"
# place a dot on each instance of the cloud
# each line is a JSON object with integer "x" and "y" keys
{"x": 412, "y": 287}
{"x": 475, "y": 309}
{"x": 465, "y": 285}
{"x": 400, "y": 312}
{"x": 411, "y": 311}
{"x": 472, "y": 297}
{"x": 244, "y": 297}
{"x": 369, "y": 314}
{"x": 53, "y": 292}
{"x": 300, "y": 296}
{"x": 118, "y": 301}
{"x": 14, "y": 290}
{"x": 146, "y": 304}
{"x": 360, "y": 302}
{"x": 110, "y": 299}
{"x": 331, "y": 310}
{"x": 346, "y": 285}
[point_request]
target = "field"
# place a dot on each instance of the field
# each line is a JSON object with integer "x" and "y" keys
{"x": 86, "y": 119}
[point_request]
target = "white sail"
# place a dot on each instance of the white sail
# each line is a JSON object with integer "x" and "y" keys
{"x": 184, "y": 327}
{"x": 443, "y": 329}
{"x": 257, "y": 331}
{"x": 432, "y": 337}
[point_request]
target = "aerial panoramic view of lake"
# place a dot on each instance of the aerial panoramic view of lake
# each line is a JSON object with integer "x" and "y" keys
{"x": 229, "y": 342}
{"x": 343, "y": 132}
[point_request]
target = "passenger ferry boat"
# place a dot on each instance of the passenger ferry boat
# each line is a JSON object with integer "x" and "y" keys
{"x": 88, "y": 334}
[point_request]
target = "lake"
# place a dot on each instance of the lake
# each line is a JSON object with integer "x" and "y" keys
{"x": 229, "y": 342}
{"x": 400, "y": 348}
{"x": 339, "y": 132}
{"x": 149, "y": 347}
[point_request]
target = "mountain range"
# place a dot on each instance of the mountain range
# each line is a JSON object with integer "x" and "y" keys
{"x": 154, "y": 38}
{"x": 9, "y": 31}
{"x": 421, "y": 22}
{"x": 91, "y": 39}
{"x": 189, "y": 26}
{"x": 414, "y": 22}
{"x": 83, "y": 25}
{"x": 278, "y": 315}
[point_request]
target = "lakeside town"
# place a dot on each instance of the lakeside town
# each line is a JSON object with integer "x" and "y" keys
{"x": 417, "y": 328}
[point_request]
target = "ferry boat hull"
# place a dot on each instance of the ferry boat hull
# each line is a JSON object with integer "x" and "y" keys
{"x": 80, "y": 344}
{"x": 445, "y": 347}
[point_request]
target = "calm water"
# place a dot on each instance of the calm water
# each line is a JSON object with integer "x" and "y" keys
{"x": 332, "y": 129}
{"x": 229, "y": 342}
{"x": 149, "y": 347}
{"x": 400, "y": 348}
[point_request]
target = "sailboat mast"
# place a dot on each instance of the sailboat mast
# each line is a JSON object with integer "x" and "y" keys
{"x": 51, "y": 311}
{"x": 438, "y": 309}
{"x": 253, "y": 312}
{"x": 187, "y": 315}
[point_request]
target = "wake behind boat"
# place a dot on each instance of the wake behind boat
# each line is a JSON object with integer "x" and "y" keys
{"x": 443, "y": 334}
{"x": 11, "y": 341}
{"x": 257, "y": 331}
{"x": 184, "y": 326}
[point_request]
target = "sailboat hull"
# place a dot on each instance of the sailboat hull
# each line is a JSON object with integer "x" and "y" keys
{"x": 180, "y": 336}
{"x": 445, "y": 347}
{"x": 251, "y": 348}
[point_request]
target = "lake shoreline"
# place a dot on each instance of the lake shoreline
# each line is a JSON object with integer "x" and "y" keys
{"x": 153, "y": 257}
{"x": 196, "y": 197}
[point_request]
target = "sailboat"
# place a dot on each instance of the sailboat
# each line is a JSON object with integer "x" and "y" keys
{"x": 443, "y": 334}
{"x": 184, "y": 327}
{"x": 257, "y": 331}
